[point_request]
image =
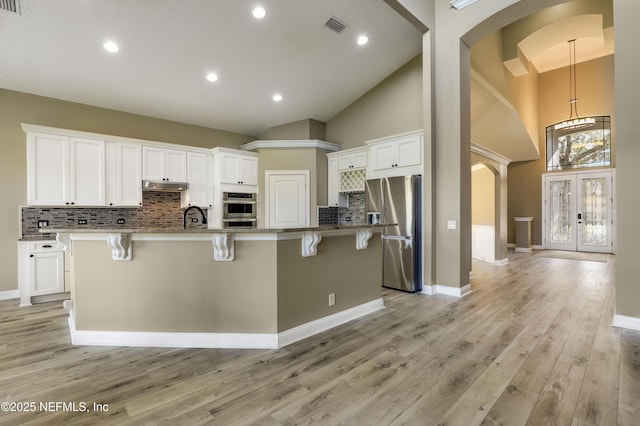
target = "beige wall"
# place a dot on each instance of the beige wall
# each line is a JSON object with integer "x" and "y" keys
{"x": 304, "y": 284}
{"x": 175, "y": 286}
{"x": 393, "y": 106}
{"x": 312, "y": 159}
{"x": 16, "y": 108}
{"x": 595, "y": 86}
{"x": 302, "y": 130}
{"x": 627, "y": 93}
{"x": 483, "y": 211}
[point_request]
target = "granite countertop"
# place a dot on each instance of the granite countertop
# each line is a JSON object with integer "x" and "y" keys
{"x": 207, "y": 230}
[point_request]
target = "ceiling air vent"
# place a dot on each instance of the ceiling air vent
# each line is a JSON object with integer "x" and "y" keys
{"x": 333, "y": 23}
{"x": 10, "y": 5}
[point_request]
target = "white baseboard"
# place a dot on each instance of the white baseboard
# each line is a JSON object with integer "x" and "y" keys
{"x": 524, "y": 249}
{"x": 9, "y": 294}
{"x": 448, "y": 290}
{"x": 314, "y": 327}
{"x": 622, "y": 321}
{"x": 501, "y": 262}
{"x": 511, "y": 245}
{"x": 537, "y": 247}
{"x": 218, "y": 340}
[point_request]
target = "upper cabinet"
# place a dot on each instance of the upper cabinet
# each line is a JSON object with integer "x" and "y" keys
{"x": 124, "y": 174}
{"x": 396, "y": 156}
{"x": 346, "y": 173}
{"x": 334, "y": 197}
{"x": 200, "y": 179}
{"x": 160, "y": 164}
{"x": 64, "y": 170}
{"x": 235, "y": 167}
{"x": 352, "y": 160}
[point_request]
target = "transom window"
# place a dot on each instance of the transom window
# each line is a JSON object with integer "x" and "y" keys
{"x": 576, "y": 148}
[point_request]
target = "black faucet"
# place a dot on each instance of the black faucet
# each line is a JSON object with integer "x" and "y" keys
{"x": 184, "y": 216}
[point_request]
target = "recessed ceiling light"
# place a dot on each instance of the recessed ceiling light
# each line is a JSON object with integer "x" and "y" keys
{"x": 277, "y": 97}
{"x": 259, "y": 12}
{"x": 362, "y": 40}
{"x": 111, "y": 47}
{"x": 212, "y": 76}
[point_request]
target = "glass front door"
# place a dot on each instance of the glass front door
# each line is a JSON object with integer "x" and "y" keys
{"x": 578, "y": 211}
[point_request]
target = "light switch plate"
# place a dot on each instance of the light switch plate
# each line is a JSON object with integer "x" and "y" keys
{"x": 451, "y": 224}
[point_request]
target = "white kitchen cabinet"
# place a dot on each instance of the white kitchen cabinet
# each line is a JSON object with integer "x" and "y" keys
{"x": 63, "y": 170}
{"x": 123, "y": 174}
{"x": 235, "y": 167}
{"x": 160, "y": 164}
{"x": 46, "y": 271}
{"x": 200, "y": 179}
{"x": 41, "y": 269}
{"x": 396, "y": 156}
{"x": 352, "y": 160}
{"x": 334, "y": 197}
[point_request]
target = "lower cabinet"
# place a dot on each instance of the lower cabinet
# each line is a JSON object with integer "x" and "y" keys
{"x": 46, "y": 273}
{"x": 41, "y": 269}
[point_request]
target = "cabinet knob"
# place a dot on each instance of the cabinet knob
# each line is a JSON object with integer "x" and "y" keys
{"x": 110, "y": 204}
{"x": 30, "y": 255}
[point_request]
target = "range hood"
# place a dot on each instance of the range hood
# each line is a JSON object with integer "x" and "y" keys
{"x": 152, "y": 185}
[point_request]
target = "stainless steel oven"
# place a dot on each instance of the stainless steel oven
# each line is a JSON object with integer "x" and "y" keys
{"x": 239, "y": 210}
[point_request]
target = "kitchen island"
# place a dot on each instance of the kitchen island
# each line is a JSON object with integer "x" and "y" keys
{"x": 255, "y": 288}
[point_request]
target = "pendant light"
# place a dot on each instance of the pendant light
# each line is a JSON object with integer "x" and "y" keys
{"x": 573, "y": 122}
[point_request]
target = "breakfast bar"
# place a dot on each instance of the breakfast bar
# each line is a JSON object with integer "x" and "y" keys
{"x": 257, "y": 288}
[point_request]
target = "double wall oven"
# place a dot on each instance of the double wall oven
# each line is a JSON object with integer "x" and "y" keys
{"x": 239, "y": 210}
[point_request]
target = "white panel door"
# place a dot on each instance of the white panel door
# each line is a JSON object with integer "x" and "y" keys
{"x": 288, "y": 200}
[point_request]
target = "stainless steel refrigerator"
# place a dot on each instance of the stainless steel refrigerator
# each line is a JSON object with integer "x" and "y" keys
{"x": 397, "y": 201}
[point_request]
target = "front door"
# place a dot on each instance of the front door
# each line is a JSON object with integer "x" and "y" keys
{"x": 578, "y": 211}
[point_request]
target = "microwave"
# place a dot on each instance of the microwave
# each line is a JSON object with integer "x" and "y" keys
{"x": 239, "y": 205}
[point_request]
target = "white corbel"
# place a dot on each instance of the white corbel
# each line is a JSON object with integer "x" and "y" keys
{"x": 310, "y": 241}
{"x": 120, "y": 246}
{"x": 65, "y": 241}
{"x": 223, "y": 247}
{"x": 362, "y": 238}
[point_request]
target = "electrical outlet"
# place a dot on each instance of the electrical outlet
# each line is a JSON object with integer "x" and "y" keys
{"x": 452, "y": 224}
{"x": 82, "y": 221}
{"x": 332, "y": 299}
{"x": 43, "y": 223}
{"x": 194, "y": 220}
{"x": 120, "y": 222}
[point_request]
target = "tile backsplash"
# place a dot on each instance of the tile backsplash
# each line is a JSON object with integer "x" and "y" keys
{"x": 354, "y": 214}
{"x": 158, "y": 210}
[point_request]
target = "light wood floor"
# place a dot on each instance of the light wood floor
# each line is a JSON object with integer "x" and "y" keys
{"x": 533, "y": 344}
